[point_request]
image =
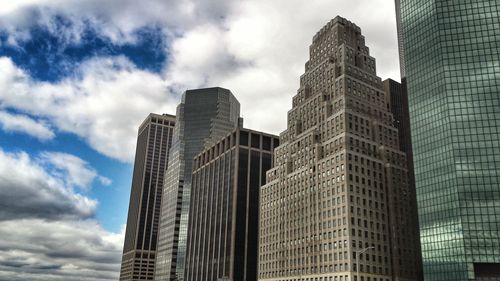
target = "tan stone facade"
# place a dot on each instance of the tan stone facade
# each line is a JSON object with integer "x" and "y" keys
{"x": 339, "y": 184}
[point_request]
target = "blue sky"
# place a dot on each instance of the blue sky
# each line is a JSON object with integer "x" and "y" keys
{"x": 77, "y": 77}
{"x": 46, "y": 58}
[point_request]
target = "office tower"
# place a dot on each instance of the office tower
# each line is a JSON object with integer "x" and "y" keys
{"x": 451, "y": 56}
{"x": 396, "y": 97}
{"x": 203, "y": 117}
{"x": 151, "y": 159}
{"x": 400, "y": 41}
{"x": 223, "y": 223}
{"x": 336, "y": 203}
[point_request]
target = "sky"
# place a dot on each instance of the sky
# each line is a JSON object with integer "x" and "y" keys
{"x": 77, "y": 77}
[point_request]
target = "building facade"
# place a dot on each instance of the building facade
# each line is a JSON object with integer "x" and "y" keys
{"x": 396, "y": 97}
{"x": 151, "y": 159}
{"x": 224, "y": 209}
{"x": 335, "y": 206}
{"x": 451, "y": 57}
{"x": 400, "y": 39}
{"x": 203, "y": 117}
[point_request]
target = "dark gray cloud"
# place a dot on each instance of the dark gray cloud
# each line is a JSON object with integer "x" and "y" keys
{"x": 30, "y": 191}
{"x": 34, "y": 249}
{"x": 47, "y": 230}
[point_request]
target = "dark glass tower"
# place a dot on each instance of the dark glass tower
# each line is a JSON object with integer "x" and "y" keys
{"x": 452, "y": 66}
{"x": 223, "y": 223}
{"x": 204, "y": 116}
{"x": 151, "y": 159}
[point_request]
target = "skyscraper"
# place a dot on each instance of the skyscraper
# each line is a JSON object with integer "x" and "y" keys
{"x": 204, "y": 116}
{"x": 151, "y": 159}
{"x": 451, "y": 57}
{"x": 223, "y": 224}
{"x": 335, "y": 206}
{"x": 400, "y": 41}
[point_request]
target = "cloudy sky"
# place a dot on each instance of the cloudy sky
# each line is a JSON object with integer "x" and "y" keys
{"x": 77, "y": 77}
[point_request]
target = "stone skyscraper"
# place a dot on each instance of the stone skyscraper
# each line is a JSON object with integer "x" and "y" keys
{"x": 337, "y": 200}
{"x": 223, "y": 224}
{"x": 151, "y": 159}
{"x": 452, "y": 66}
{"x": 204, "y": 116}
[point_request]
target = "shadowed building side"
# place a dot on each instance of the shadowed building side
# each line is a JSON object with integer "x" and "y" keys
{"x": 151, "y": 159}
{"x": 397, "y": 103}
{"x": 223, "y": 226}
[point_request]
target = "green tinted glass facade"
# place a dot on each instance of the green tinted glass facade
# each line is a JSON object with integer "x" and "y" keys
{"x": 452, "y": 65}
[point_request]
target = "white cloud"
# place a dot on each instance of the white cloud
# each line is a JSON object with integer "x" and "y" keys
{"x": 24, "y": 124}
{"x": 104, "y": 180}
{"x": 104, "y": 103}
{"x": 11, "y": 6}
{"x": 76, "y": 172}
{"x": 255, "y": 48}
{"x": 116, "y": 20}
{"x": 260, "y": 48}
{"x": 200, "y": 56}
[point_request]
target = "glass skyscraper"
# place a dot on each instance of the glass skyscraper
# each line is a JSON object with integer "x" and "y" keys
{"x": 452, "y": 67}
{"x": 204, "y": 116}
